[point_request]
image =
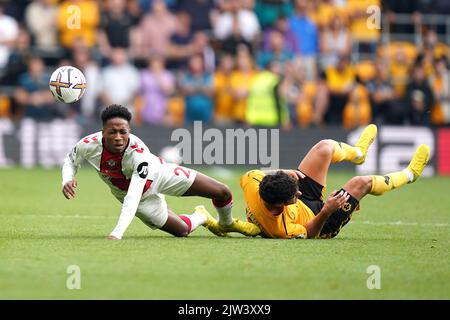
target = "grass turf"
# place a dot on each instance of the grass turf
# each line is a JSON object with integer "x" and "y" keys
{"x": 405, "y": 233}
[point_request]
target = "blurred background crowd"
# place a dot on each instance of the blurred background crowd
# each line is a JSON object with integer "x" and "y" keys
{"x": 275, "y": 63}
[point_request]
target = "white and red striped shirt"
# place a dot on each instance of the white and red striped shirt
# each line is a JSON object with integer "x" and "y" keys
{"x": 130, "y": 174}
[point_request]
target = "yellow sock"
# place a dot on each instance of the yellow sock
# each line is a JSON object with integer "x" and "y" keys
{"x": 381, "y": 184}
{"x": 344, "y": 152}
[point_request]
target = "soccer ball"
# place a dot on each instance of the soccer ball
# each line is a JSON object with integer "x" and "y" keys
{"x": 67, "y": 84}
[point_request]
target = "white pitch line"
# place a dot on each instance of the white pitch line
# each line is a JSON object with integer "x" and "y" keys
{"x": 400, "y": 223}
{"x": 366, "y": 222}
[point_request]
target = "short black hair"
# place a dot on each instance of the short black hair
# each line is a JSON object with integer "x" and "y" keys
{"x": 277, "y": 188}
{"x": 115, "y": 111}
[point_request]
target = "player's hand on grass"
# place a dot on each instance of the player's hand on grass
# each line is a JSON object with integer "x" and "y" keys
{"x": 69, "y": 189}
{"x": 335, "y": 201}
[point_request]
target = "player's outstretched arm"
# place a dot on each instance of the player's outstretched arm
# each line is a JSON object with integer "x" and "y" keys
{"x": 335, "y": 201}
{"x": 131, "y": 201}
{"x": 70, "y": 167}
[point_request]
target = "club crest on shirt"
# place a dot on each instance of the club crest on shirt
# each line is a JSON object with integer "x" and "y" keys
{"x": 142, "y": 170}
{"x": 111, "y": 163}
{"x": 347, "y": 207}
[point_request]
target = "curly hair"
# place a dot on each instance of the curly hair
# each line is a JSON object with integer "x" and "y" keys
{"x": 277, "y": 188}
{"x": 115, "y": 111}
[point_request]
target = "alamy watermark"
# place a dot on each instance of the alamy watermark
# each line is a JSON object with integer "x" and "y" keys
{"x": 235, "y": 146}
{"x": 74, "y": 19}
{"x": 374, "y": 280}
{"x": 374, "y": 19}
{"x": 73, "y": 281}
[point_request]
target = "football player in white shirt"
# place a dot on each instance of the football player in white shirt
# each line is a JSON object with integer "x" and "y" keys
{"x": 139, "y": 180}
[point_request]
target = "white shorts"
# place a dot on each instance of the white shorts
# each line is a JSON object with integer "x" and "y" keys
{"x": 153, "y": 211}
{"x": 173, "y": 180}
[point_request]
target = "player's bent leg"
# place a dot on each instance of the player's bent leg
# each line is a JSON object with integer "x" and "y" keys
{"x": 183, "y": 225}
{"x": 358, "y": 186}
{"x": 418, "y": 162}
{"x": 365, "y": 140}
{"x": 222, "y": 199}
{"x": 317, "y": 161}
{"x": 154, "y": 213}
{"x": 211, "y": 224}
{"x": 356, "y": 154}
{"x": 219, "y": 193}
{"x": 394, "y": 180}
{"x": 339, "y": 218}
{"x": 207, "y": 187}
{"x": 176, "y": 226}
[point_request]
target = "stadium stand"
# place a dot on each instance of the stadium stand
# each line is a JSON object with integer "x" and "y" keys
{"x": 198, "y": 59}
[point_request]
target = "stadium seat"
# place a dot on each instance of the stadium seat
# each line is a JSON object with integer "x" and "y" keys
{"x": 365, "y": 70}
{"x": 358, "y": 110}
{"x": 438, "y": 115}
{"x": 441, "y": 50}
{"x": 305, "y": 105}
{"x": 175, "y": 110}
{"x": 390, "y": 50}
{"x": 5, "y": 107}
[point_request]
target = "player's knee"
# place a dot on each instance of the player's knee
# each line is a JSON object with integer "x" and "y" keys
{"x": 324, "y": 148}
{"x": 223, "y": 193}
{"x": 182, "y": 232}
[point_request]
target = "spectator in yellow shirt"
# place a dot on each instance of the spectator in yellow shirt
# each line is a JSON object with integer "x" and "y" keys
{"x": 340, "y": 82}
{"x": 363, "y": 24}
{"x": 399, "y": 71}
{"x": 241, "y": 81}
{"x": 223, "y": 97}
{"x": 77, "y": 22}
{"x": 440, "y": 84}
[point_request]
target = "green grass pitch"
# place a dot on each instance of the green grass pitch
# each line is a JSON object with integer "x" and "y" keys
{"x": 406, "y": 233}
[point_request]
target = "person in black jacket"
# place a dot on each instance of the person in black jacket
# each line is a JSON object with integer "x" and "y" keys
{"x": 419, "y": 97}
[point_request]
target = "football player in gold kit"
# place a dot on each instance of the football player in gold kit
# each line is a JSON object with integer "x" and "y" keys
{"x": 289, "y": 203}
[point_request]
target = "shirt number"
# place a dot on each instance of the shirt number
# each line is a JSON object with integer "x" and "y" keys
{"x": 185, "y": 171}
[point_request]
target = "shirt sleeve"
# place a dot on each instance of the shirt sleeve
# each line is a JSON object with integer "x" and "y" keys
{"x": 251, "y": 177}
{"x": 300, "y": 232}
{"x": 72, "y": 162}
{"x": 132, "y": 199}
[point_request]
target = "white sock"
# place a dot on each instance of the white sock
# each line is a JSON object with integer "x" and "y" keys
{"x": 409, "y": 174}
{"x": 193, "y": 220}
{"x": 224, "y": 211}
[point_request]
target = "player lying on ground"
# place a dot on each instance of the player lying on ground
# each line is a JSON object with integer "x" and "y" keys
{"x": 289, "y": 203}
{"x": 139, "y": 180}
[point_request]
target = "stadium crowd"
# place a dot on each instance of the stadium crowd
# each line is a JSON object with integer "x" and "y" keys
{"x": 278, "y": 63}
